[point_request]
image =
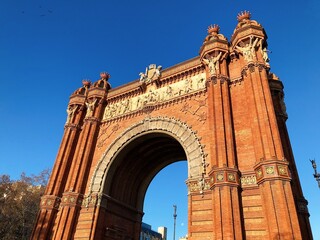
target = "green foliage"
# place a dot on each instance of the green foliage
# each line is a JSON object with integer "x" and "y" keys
{"x": 19, "y": 204}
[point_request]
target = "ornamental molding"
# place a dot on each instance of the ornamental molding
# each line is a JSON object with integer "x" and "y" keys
{"x": 268, "y": 170}
{"x": 72, "y": 126}
{"x": 50, "y": 202}
{"x": 235, "y": 81}
{"x": 198, "y": 186}
{"x": 71, "y": 199}
{"x": 92, "y": 120}
{"x": 248, "y": 180}
{"x": 251, "y": 66}
{"x": 218, "y": 78}
{"x": 224, "y": 176}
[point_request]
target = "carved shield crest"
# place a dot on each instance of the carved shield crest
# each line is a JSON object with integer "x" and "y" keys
{"x": 152, "y": 73}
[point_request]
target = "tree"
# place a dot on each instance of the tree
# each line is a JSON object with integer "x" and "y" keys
{"x": 19, "y": 204}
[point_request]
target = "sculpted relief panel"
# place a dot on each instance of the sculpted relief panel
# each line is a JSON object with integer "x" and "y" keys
{"x": 155, "y": 96}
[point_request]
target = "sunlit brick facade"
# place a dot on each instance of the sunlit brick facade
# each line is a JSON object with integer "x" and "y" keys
{"x": 222, "y": 111}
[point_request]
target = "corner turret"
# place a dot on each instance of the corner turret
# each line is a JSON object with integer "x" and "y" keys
{"x": 249, "y": 40}
{"x": 214, "y": 52}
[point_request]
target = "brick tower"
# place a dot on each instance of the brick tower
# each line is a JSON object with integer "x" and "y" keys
{"x": 222, "y": 111}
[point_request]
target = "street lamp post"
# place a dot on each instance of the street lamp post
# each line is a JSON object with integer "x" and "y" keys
{"x": 316, "y": 174}
{"x": 174, "y": 221}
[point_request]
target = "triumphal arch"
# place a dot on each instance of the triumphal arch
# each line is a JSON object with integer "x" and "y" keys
{"x": 223, "y": 111}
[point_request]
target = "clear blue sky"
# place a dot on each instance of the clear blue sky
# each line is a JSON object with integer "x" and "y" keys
{"x": 48, "y": 47}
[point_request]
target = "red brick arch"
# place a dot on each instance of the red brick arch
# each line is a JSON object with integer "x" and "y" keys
{"x": 181, "y": 132}
{"x": 242, "y": 185}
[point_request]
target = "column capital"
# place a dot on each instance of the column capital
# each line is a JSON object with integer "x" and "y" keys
{"x": 222, "y": 176}
{"x": 71, "y": 199}
{"x": 50, "y": 202}
{"x": 268, "y": 170}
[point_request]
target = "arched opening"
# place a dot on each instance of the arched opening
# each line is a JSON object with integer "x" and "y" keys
{"x": 129, "y": 164}
{"x": 138, "y": 163}
{"x": 132, "y": 171}
{"x": 168, "y": 188}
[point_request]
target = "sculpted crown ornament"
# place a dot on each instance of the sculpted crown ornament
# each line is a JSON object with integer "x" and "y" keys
{"x": 213, "y": 33}
{"x": 243, "y": 16}
{"x": 103, "y": 81}
{"x": 213, "y": 29}
{"x": 244, "y": 19}
{"x": 83, "y": 90}
{"x": 105, "y": 75}
{"x": 86, "y": 82}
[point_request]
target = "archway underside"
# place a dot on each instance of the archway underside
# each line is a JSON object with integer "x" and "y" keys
{"x": 137, "y": 164}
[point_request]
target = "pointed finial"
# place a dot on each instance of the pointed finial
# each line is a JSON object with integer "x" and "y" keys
{"x": 86, "y": 82}
{"x": 213, "y": 29}
{"x": 244, "y": 15}
{"x": 105, "y": 75}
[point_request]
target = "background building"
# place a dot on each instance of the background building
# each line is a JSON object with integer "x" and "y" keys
{"x": 163, "y": 232}
{"x": 148, "y": 234}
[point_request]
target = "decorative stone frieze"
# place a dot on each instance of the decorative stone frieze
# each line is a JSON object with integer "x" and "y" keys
{"x": 224, "y": 176}
{"x": 72, "y": 126}
{"x": 268, "y": 170}
{"x": 198, "y": 186}
{"x": 71, "y": 199}
{"x": 50, "y": 202}
{"x": 248, "y": 180}
{"x": 154, "y": 97}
